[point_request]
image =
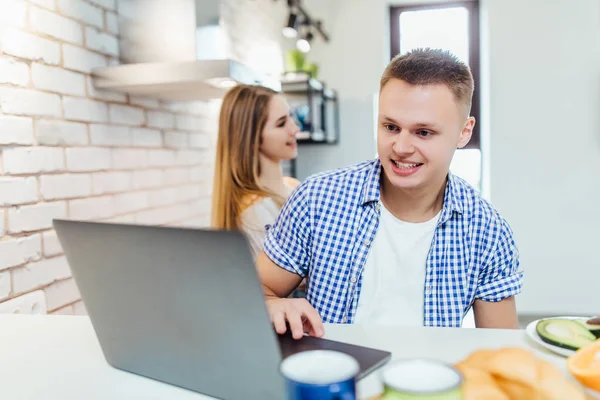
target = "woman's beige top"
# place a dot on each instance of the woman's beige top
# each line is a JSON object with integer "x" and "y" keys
{"x": 255, "y": 218}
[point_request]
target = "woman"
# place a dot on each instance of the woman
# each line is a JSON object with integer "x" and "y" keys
{"x": 256, "y": 133}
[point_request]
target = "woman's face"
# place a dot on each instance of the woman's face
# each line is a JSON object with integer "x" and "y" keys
{"x": 279, "y": 135}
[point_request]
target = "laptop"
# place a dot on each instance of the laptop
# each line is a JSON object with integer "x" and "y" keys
{"x": 185, "y": 307}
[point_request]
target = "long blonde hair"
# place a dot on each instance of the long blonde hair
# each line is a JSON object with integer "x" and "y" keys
{"x": 243, "y": 117}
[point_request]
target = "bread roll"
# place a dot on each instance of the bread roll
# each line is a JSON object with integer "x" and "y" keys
{"x": 517, "y": 374}
{"x": 479, "y": 384}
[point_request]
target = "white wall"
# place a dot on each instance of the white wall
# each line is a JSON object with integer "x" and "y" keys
{"x": 541, "y": 128}
{"x": 545, "y": 144}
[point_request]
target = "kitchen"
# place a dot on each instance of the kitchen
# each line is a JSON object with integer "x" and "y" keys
{"x": 73, "y": 150}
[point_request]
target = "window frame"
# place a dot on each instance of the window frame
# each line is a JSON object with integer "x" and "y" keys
{"x": 474, "y": 51}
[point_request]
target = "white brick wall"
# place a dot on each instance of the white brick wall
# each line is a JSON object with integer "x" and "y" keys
{"x": 15, "y": 12}
{"x": 55, "y": 79}
{"x": 111, "y": 182}
{"x": 178, "y": 140}
{"x": 16, "y": 130}
{"x": 82, "y": 11}
{"x": 52, "y": 24}
{"x": 110, "y": 135}
{"x": 161, "y": 158}
{"x": 13, "y": 72}
{"x": 29, "y": 102}
{"x": 14, "y": 191}
{"x": 200, "y": 141}
{"x": 35, "y": 217}
{"x": 51, "y": 244}
{"x": 146, "y": 102}
{"x": 65, "y": 186}
{"x": 50, "y": 4}
{"x": 127, "y": 202}
{"x": 27, "y": 45}
{"x": 5, "y": 285}
{"x": 126, "y": 115}
{"x": 112, "y": 23}
{"x": 39, "y": 274}
{"x": 68, "y": 150}
{"x": 19, "y": 251}
{"x": 158, "y": 119}
{"x": 82, "y": 60}
{"x": 60, "y": 133}
{"x": 144, "y": 137}
{"x": 29, "y": 160}
{"x": 88, "y": 159}
{"x": 30, "y": 303}
{"x": 92, "y": 208}
{"x": 61, "y": 293}
{"x": 101, "y": 42}
{"x": 106, "y": 4}
{"x": 149, "y": 178}
{"x": 185, "y": 122}
{"x": 129, "y": 159}
{"x": 85, "y": 110}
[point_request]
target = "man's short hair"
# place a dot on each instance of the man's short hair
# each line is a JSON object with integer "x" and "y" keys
{"x": 432, "y": 67}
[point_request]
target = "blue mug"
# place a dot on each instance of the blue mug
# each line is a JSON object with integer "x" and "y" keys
{"x": 320, "y": 375}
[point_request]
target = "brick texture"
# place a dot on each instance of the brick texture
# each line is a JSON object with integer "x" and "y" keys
{"x": 69, "y": 150}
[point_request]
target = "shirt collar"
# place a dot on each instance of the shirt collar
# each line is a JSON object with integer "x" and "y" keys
{"x": 371, "y": 185}
{"x": 372, "y": 190}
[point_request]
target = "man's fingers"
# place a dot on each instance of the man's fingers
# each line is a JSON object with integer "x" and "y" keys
{"x": 313, "y": 320}
{"x": 278, "y": 319}
{"x": 293, "y": 318}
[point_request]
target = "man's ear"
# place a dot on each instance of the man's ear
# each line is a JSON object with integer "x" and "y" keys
{"x": 465, "y": 134}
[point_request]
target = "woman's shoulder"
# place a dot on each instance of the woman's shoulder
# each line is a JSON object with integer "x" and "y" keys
{"x": 259, "y": 211}
{"x": 291, "y": 182}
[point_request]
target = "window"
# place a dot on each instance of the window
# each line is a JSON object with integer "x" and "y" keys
{"x": 452, "y": 26}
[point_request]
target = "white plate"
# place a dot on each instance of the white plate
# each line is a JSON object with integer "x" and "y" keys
{"x": 592, "y": 394}
{"x": 532, "y": 333}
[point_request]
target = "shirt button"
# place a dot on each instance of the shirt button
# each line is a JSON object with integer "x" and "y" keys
{"x": 367, "y": 242}
{"x": 353, "y": 279}
{"x": 344, "y": 320}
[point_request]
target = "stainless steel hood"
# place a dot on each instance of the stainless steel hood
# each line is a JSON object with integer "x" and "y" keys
{"x": 173, "y": 50}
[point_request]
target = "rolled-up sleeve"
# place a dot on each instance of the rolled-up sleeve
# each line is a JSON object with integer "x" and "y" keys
{"x": 501, "y": 277}
{"x": 288, "y": 241}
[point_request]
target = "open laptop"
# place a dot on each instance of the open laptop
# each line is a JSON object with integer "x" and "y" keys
{"x": 185, "y": 307}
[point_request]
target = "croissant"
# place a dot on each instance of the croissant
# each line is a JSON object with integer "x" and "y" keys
{"x": 516, "y": 374}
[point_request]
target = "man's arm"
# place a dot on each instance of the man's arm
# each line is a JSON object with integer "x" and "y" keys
{"x": 299, "y": 314}
{"x": 500, "y": 315}
{"x": 499, "y": 281}
{"x": 276, "y": 281}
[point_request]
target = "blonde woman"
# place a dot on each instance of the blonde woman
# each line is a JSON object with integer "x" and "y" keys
{"x": 256, "y": 133}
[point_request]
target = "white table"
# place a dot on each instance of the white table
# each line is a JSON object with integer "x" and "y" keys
{"x": 59, "y": 358}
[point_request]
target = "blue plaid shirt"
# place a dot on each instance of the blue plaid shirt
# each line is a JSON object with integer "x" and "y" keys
{"x": 325, "y": 230}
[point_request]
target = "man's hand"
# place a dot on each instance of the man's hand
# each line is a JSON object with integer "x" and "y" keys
{"x": 298, "y": 313}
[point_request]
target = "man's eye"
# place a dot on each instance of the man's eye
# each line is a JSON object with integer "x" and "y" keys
{"x": 390, "y": 128}
{"x": 424, "y": 133}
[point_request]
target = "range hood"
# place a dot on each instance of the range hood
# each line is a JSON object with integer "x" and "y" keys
{"x": 175, "y": 50}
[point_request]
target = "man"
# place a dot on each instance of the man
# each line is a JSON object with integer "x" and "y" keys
{"x": 398, "y": 239}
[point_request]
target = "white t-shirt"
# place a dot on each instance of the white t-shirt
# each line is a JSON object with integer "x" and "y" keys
{"x": 394, "y": 275}
{"x": 254, "y": 220}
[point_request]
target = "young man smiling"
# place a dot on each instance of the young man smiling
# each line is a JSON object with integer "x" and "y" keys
{"x": 399, "y": 239}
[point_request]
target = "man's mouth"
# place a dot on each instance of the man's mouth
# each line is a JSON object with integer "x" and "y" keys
{"x": 404, "y": 165}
